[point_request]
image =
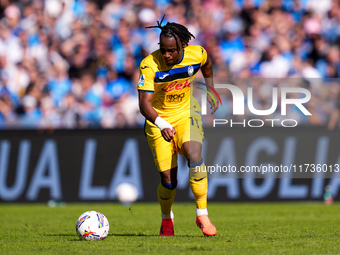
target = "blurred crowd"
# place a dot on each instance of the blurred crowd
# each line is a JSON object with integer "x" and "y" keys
{"x": 75, "y": 63}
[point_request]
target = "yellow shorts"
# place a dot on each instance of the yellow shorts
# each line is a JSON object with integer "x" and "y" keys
{"x": 165, "y": 153}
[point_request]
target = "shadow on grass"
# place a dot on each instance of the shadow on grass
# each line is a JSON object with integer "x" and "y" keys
{"x": 60, "y": 234}
{"x": 122, "y": 234}
{"x": 134, "y": 234}
{"x": 75, "y": 239}
{"x": 148, "y": 235}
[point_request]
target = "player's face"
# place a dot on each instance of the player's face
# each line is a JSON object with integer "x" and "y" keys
{"x": 169, "y": 51}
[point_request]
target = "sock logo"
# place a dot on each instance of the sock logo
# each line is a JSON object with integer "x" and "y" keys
{"x": 165, "y": 198}
{"x": 197, "y": 180}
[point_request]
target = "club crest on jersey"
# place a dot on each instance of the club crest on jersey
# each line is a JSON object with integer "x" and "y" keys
{"x": 190, "y": 70}
{"x": 141, "y": 80}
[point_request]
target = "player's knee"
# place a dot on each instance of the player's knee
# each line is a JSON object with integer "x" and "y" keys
{"x": 170, "y": 186}
{"x": 194, "y": 157}
{"x": 192, "y": 151}
{"x": 169, "y": 176}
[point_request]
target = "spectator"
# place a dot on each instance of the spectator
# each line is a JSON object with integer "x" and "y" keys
{"x": 73, "y": 64}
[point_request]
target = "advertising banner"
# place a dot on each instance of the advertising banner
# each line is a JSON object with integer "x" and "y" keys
{"x": 87, "y": 165}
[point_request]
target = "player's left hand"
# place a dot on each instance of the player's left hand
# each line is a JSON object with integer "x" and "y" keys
{"x": 213, "y": 106}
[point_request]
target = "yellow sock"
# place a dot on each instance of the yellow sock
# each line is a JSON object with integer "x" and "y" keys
{"x": 166, "y": 198}
{"x": 199, "y": 184}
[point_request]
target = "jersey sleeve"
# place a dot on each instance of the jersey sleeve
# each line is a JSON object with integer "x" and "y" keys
{"x": 204, "y": 55}
{"x": 146, "y": 78}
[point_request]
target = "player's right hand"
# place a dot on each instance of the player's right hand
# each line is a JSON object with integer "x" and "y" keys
{"x": 168, "y": 134}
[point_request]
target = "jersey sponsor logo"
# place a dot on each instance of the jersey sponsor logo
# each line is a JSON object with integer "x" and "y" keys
{"x": 177, "y": 86}
{"x": 175, "y": 98}
{"x": 165, "y": 75}
{"x": 141, "y": 80}
{"x": 144, "y": 67}
{"x": 190, "y": 70}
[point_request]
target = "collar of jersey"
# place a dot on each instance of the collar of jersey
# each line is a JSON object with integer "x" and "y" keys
{"x": 181, "y": 58}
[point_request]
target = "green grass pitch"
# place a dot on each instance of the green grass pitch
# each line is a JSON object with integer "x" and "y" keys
{"x": 242, "y": 228}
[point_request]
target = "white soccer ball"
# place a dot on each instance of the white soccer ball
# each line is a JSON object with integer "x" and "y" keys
{"x": 126, "y": 193}
{"x": 92, "y": 225}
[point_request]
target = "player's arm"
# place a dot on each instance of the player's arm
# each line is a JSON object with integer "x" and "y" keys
{"x": 207, "y": 71}
{"x": 150, "y": 114}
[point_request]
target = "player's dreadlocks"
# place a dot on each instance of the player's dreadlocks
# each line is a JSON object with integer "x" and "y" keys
{"x": 172, "y": 29}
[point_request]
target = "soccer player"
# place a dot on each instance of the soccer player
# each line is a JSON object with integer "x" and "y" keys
{"x": 173, "y": 123}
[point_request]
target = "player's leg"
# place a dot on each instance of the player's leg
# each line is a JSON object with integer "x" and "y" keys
{"x": 166, "y": 191}
{"x": 190, "y": 141}
{"x": 165, "y": 159}
{"x": 199, "y": 185}
{"x": 197, "y": 173}
{"x": 166, "y": 194}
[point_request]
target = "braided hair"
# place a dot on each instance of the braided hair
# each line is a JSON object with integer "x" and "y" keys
{"x": 175, "y": 30}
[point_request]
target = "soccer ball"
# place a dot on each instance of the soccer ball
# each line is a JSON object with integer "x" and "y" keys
{"x": 92, "y": 225}
{"x": 126, "y": 193}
